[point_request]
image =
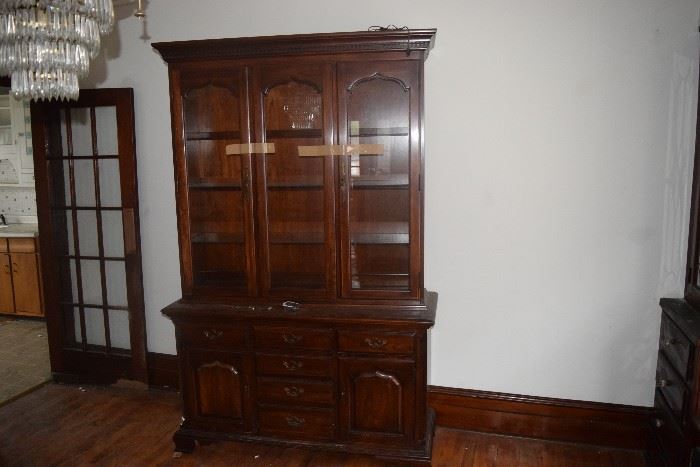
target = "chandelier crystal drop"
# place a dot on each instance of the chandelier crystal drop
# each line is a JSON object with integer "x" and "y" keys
{"x": 46, "y": 45}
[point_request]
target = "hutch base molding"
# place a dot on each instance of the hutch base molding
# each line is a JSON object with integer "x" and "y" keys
{"x": 186, "y": 440}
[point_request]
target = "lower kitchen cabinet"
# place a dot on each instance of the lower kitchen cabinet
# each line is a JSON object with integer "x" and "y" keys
{"x": 20, "y": 283}
{"x": 7, "y": 300}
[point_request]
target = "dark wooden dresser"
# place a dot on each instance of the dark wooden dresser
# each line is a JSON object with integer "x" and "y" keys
{"x": 299, "y": 187}
{"x": 677, "y": 399}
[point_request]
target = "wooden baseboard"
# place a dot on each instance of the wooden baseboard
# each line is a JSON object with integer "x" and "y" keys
{"x": 163, "y": 371}
{"x": 620, "y": 426}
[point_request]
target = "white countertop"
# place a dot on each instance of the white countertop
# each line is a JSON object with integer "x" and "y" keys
{"x": 19, "y": 230}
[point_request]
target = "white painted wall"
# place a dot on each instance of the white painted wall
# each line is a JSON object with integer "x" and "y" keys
{"x": 559, "y": 136}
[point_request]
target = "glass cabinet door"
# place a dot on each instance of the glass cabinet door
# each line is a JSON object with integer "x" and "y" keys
{"x": 219, "y": 245}
{"x": 379, "y": 179}
{"x": 295, "y": 194}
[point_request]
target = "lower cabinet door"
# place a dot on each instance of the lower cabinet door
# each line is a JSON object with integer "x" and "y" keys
{"x": 378, "y": 400}
{"x": 7, "y": 303}
{"x": 25, "y": 275}
{"x": 217, "y": 389}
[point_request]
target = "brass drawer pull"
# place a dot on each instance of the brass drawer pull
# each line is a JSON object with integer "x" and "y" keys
{"x": 292, "y": 338}
{"x": 293, "y": 391}
{"x": 295, "y": 421}
{"x": 213, "y": 334}
{"x": 658, "y": 423}
{"x": 664, "y": 383}
{"x": 669, "y": 341}
{"x": 375, "y": 342}
{"x": 292, "y": 365}
{"x": 291, "y": 305}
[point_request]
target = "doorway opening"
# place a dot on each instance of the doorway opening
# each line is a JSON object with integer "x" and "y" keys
{"x": 85, "y": 222}
{"x": 24, "y": 348}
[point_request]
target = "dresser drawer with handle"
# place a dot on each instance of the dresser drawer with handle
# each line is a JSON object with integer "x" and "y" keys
{"x": 376, "y": 342}
{"x": 290, "y": 391}
{"x": 671, "y": 385}
{"x": 294, "y": 365}
{"x": 289, "y": 338}
{"x": 315, "y": 424}
{"x": 212, "y": 335}
{"x": 674, "y": 344}
{"x": 668, "y": 433}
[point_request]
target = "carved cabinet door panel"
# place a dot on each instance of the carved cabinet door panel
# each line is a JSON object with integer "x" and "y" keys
{"x": 377, "y": 400}
{"x": 217, "y": 389}
{"x": 25, "y": 276}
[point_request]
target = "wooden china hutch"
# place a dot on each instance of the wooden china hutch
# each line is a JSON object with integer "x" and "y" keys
{"x": 299, "y": 183}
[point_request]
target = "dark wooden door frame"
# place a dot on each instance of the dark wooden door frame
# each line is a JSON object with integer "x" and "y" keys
{"x": 73, "y": 365}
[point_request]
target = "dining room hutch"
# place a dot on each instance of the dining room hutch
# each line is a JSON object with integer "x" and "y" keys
{"x": 299, "y": 185}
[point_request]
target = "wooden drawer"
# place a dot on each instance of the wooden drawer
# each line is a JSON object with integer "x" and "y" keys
{"x": 315, "y": 424}
{"x": 671, "y": 385}
{"x": 290, "y": 338}
{"x": 22, "y": 245}
{"x": 212, "y": 335}
{"x": 293, "y": 365}
{"x": 291, "y": 391}
{"x": 675, "y": 346}
{"x": 376, "y": 342}
{"x": 668, "y": 433}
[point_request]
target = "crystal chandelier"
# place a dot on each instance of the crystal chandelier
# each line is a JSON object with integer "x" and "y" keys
{"x": 46, "y": 45}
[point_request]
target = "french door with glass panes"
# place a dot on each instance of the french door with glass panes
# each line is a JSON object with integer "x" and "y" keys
{"x": 89, "y": 230}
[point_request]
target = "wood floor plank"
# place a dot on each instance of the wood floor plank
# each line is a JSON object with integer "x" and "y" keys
{"x": 62, "y": 425}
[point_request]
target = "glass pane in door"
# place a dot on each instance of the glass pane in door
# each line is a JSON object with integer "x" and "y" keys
{"x": 379, "y": 195}
{"x": 89, "y": 235}
{"x": 296, "y": 236}
{"x": 217, "y": 192}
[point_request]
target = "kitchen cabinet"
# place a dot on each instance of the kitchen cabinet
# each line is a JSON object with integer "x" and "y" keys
{"x": 20, "y": 283}
{"x": 13, "y": 142}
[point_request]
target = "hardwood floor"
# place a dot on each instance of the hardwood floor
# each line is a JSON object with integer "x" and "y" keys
{"x": 108, "y": 426}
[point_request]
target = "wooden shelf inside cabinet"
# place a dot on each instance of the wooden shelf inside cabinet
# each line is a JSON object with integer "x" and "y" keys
{"x": 301, "y": 133}
{"x": 370, "y": 132}
{"x": 217, "y": 237}
{"x": 378, "y": 233}
{"x": 213, "y": 185}
{"x": 212, "y": 135}
{"x": 381, "y": 281}
{"x": 390, "y": 181}
{"x": 294, "y": 185}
